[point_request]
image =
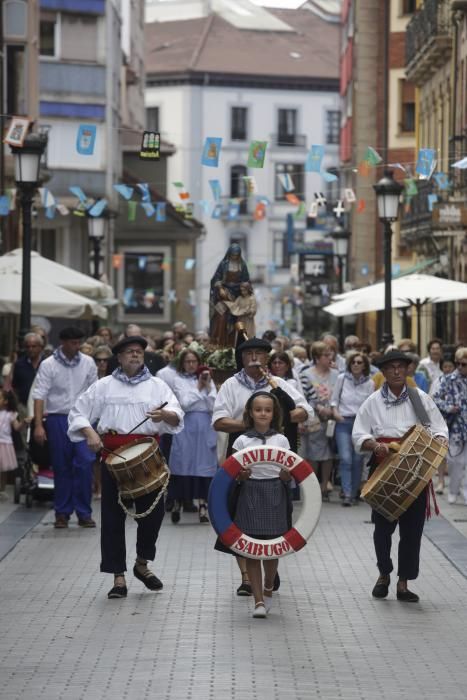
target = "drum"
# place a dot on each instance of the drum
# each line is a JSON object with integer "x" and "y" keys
{"x": 403, "y": 475}
{"x": 138, "y": 468}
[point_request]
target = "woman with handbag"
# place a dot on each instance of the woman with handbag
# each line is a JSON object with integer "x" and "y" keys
{"x": 318, "y": 382}
{"x": 351, "y": 389}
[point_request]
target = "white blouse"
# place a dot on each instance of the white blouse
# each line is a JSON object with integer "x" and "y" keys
{"x": 264, "y": 470}
{"x": 190, "y": 397}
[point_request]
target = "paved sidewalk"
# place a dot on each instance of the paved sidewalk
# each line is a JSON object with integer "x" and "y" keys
{"x": 325, "y": 638}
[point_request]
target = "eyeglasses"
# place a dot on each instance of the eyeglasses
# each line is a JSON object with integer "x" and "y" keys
{"x": 101, "y": 359}
{"x": 357, "y": 362}
{"x": 461, "y": 364}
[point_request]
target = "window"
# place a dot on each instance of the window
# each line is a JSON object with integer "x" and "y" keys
{"x": 144, "y": 284}
{"x": 16, "y": 80}
{"x": 333, "y": 126}
{"x": 296, "y": 172}
{"x": 44, "y": 241}
{"x": 408, "y": 7}
{"x": 79, "y": 37}
{"x": 407, "y": 108}
{"x": 152, "y": 119}
{"x": 287, "y": 127}
{"x": 47, "y": 35}
{"x": 237, "y": 185}
{"x": 238, "y": 128}
{"x": 280, "y": 253}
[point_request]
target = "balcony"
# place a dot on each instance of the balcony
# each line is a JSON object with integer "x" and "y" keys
{"x": 428, "y": 42}
{"x": 283, "y": 140}
{"x": 416, "y": 224}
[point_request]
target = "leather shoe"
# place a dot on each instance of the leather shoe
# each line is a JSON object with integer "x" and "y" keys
{"x": 407, "y": 596}
{"x": 61, "y": 521}
{"x": 149, "y": 579}
{"x": 381, "y": 588}
{"x": 86, "y": 522}
{"x": 118, "y": 592}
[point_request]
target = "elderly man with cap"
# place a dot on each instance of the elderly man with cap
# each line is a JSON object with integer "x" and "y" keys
{"x": 116, "y": 405}
{"x": 235, "y": 392}
{"x": 60, "y": 379}
{"x": 384, "y": 417}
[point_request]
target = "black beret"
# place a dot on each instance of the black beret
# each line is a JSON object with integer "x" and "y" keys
{"x": 393, "y": 356}
{"x": 71, "y": 333}
{"x": 255, "y": 344}
{"x": 132, "y": 340}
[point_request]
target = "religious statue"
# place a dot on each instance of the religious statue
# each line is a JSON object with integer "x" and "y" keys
{"x": 232, "y": 299}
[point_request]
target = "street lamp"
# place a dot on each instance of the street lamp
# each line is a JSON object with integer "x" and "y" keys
{"x": 27, "y": 166}
{"x": 388, "y": 193}
{"x": 97, "y": 226}
{"x": 315, "y": 303}
{"x": 340, "y": 237}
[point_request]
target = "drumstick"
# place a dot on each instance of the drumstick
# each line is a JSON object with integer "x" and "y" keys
{"x": 113, "y": 453}
{"x": 273, "y": 384}
{"x": 147, "y": 418}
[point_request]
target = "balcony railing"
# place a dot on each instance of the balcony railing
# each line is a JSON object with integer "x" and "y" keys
{"x": 416, "y": 222}
{"x": 428, "y": 41}
{"x": 289, "y": 140}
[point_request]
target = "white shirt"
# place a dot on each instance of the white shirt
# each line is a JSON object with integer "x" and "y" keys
{"x": 433, "y": 368}
{"x": 167, "y": 374}
{"x": 375, "y": 419}
{"x": 347, "y": 397}
{"x": 119, "y": 406}
{"x": 59, "y": 386}
{"x": 190, "y": 397}
{"x": 264, "y": 470}
{"x": 232, "y": 397}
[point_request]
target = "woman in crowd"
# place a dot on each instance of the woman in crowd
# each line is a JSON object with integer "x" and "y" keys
{"x": 101, "y": 355}
{"x": 193, "y": 456}
{"x": 318, "y": 383}
{"x": 280, "y": 365}
{"x": 351, "y": 389}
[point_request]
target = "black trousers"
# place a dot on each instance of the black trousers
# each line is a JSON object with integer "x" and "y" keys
{"x": 113, "y": 546}
{"x": 411, "y": 525}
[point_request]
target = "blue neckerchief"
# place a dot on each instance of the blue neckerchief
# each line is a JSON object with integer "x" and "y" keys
{"x": 356, "y": 380}
{"x": 63, "y": 359}
{"x": 250, "y": 383}
{"x": 143, "y": 375}
{"x": 404, "y": 395}
{"x": 252, "y": 433}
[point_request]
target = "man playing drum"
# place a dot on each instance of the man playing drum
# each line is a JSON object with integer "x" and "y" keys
{"x": 384, "y": 417}
{"x": 117, "y": 404}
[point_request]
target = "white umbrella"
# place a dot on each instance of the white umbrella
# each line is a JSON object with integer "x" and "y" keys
{"x": 60, "y": 275}
{"x": 46, "y": 299}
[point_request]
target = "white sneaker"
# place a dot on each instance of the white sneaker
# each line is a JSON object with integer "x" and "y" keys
{"x": 451, "y": 498}
{"x": 268, "y": 601}
{"x": 260, "y": 610}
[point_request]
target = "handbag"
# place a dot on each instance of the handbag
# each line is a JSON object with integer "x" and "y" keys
{"x": 330, "y": 428}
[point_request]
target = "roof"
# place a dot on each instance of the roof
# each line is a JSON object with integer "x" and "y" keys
{"x": 213, "y": 45}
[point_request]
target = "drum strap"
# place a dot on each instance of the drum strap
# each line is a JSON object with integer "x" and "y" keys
{"x": 418, "y": 407}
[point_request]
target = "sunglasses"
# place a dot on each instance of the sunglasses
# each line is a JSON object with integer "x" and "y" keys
{"x": 357, "y": 362}
{"x": 461, "y": 364}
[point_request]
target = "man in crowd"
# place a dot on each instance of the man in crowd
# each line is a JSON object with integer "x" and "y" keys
{"x": 25, "y": 368}
{"x": 60, "y": 379}
{"x": 130, "y": 398}
{"x": 384, "y": 417}
{"x": 153, "y": 361}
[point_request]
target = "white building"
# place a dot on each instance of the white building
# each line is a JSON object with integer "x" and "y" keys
{"x": 276, "y": 81}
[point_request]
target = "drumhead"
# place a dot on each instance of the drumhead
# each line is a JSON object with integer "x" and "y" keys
{"x": 129, "y": 452}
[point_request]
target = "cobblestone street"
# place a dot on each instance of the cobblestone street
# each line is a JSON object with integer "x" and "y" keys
{"x": 325, "y": 637}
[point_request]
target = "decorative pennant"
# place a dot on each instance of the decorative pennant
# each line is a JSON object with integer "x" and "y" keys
{"x": 233, "y": 210}
{"x": 50, "y": 212}
{"x": 86, "y": 139}
{"x": 361, "y": 206}
{"x": 47, "y": 198}
{"x": 191, "y": 299}
{"x": 117, "y": 259}
{"x": 211, "y": 152}
{"x": 190, "y": 263}
{"x": 364, "y": 270}
{"x": 313, "y": 210}
{"x": 425, "y": 159}
{"x": 62, "y": 209}
{"x": 349, "y": 195}
{"x": 216, "y": 190}
{"x": 12, "y": 195}
{"x": 184, "y": 195}
{"x": 263, "y": 199}
{"x": 172, "y": 296}
{"x": 124, "y": 190}
{"x": 442, "y": 181}
{"x": 216, "y": 212}
{"x": 301, "y": 211}
{"x": 148, "y": 208}
{"x": 320, "y": 199}
{"x": 461, "y": 164}
{"x": 189, "y": 207}
{"x": 432, "y": 199}
{"x": 339, "y": 209}
{"x": 292, "y": 198}
{"x": 204, "y": 205}
{"x": 286, "y": 182}
{"x": 132, "y": 210}
{"x": 145, "y": 194}
{"x": 260, "y": 212}
{"x": 98, "y": 207}
{"x": 150, "y": 146}
{"x": 161, "y": 211}
{"x": 142, "y": 262}
{"x": 372, "y": 157}
{"x": 250, "y": 184}
{"x": 78, "y": 192}
{"x": 314, "y": 159}
{"x": 410, "y": 187}
{"x": 4, "y": 205}
{"x": 363, "y": 168}
{"x": 398, "y": 166}
{"x": 328, "y": 177}
{"x": 257, "y": 154}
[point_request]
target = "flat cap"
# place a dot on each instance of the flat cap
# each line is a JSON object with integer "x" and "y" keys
{"x": 71, "y": 333}
{"x": 255, "y": 344}
{"x": 132, "y": 340}
{"x": 393, "y": 356}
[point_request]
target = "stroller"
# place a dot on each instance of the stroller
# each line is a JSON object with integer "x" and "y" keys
{"x": 34, "y": 478}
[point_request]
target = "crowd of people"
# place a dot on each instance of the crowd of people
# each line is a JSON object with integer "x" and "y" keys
{"x": 86, "y": 396}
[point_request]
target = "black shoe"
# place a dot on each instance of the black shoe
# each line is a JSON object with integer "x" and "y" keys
{"x": 175, "y": 516}
{"x": 169, "y": 504}
{"x": 244, "y": 589}
{"x": 118, "y": 592}
{"x": 189, "y": 507}
{"x": 407, "y": 596}
{"x": 346, "y": 502}
{"x": 381, "y": 588}
{"x": 203, "y": 515}
{"x": 277, "y": 582}
{"x": 149, "y": 579}
{"x": 325, "y": 496}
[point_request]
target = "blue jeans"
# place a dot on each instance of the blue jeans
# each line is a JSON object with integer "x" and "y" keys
{"x": 350, "y": 463}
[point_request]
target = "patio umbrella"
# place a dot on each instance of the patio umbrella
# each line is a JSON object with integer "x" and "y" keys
{"x": 60, "y": 275}
{"x": 46, "y": 299}
{"x": 410, "y": 290}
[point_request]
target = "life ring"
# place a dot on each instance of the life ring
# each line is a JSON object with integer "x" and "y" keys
{"x": 231, "y": 536}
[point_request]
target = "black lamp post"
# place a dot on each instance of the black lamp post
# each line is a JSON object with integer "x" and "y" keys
{"x": 315, "y": 303}
{"x": 27, "y": 166}
{"x": 97, "y": 229}
{"x": 388, "y": 193}
{"x": 340, "y": 238}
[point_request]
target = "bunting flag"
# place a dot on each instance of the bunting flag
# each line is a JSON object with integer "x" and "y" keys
{"x": 263, "y": 199}
{"x": 172, "y": 296}
{"x": 339, "y": 209}
{"x": 411, "y": 188}
{"x": 204, "y": 205}
{"x": 301, "y": 211}
{"x": 216, "y": 212}
{"x": 47, "y": 198}
{"x": 426, "y": 157}
{"x": 233, "y": 210}
{"x": 320, "y": 199}
{"x": 328, "y": 177}
{"x": 314, "y": 159}
{"x": 132, "y": 210}
{"x": 161, "y": 211}
{"x": 216, "y": 190}
{"x": 62, "y": 209}
{"x": 86, "y": 139}
{"x": 442, "y": 181}
{"x": 461, "y": 164}
{"x": 211, "y": 152}
{"x": 78, "y": 192}
{"x": 190, "y": 263}
{"x": 363, "y": 169}
{"x": 372, "y": 157}
{"x": 124, "y": 190}
{"x": 117, "y": 259}
{"x": 98, "y": 207}
{"x": 286, "y": 182}
{"x": 313, "y": 210}
{"x": 50, "y": 212}
{"x": 145, "y": 194}
{"x": 361, "y": 206}
{"x": 260, "y": 212}
{"x": 148, "y": 208}
{"x": 432, "y": 199}
{"x": 292, "y": 198}
{"x": 257, "y": 154}
{"x": 349, "y": 195}
{"x": 250, "y": 184}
